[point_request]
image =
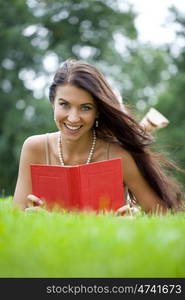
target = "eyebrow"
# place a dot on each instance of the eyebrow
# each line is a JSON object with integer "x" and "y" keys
{"x": 88, "y": 103}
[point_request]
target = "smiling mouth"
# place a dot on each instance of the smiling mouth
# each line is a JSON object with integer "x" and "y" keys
{"x": 73, "y": 128}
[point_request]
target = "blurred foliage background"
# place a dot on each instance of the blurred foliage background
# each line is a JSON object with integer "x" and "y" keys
{"x": 36, "y": 36}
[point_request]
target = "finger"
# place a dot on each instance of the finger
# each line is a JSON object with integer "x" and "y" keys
{"x": 123, "y": 210}
{"x": 34, "y": 199}
{"x": 33, "y": 208}
{"x": 127, "y": 210}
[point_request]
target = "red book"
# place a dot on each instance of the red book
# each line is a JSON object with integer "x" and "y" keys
{"x": 95, "y": 186}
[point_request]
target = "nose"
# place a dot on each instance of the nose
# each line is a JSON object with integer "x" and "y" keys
{"x": 73, "y": 116}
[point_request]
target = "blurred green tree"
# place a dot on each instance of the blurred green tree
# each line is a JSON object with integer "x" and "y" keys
{"x": 171, "y": 101}
{"x": 33, "y": 32}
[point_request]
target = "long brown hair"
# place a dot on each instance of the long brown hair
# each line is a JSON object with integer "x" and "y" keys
{"x": 120, "y": 127}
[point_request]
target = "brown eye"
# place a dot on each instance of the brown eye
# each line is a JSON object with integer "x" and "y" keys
{"x": 86, "y": 108}
{"x": 64, "y": 104}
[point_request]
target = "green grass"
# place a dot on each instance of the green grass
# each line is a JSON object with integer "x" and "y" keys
{"x": 43, "y": 244}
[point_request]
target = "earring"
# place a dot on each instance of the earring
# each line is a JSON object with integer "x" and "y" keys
{"x": 96, "y": 123}
{"x": 54, "y": 119}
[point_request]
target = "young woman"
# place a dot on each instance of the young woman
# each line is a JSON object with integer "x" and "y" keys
{"x": 93, "y": 127}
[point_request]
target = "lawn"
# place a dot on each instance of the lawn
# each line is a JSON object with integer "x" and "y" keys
{"x": 44, "y": 244}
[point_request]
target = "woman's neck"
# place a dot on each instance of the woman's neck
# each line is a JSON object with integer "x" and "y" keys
{"x": 76, "y": 152}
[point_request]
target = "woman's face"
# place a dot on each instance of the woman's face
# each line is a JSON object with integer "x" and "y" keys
{"x": 74, "y": 111}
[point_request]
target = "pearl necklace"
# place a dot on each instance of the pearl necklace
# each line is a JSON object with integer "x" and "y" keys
{"x": 90, "y": 153}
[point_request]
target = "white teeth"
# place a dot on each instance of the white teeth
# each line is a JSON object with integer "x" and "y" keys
{"x": 72, "y": 128}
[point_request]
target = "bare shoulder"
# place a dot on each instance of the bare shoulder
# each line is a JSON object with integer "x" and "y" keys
{"x": 34, "y": 140}
{"x": 116, "y": 151}
{"x": 34, "y": 146}
{"x": 37, "y": 142}
{"x": 34, "y": 143}
{"x": 129, "y": 167}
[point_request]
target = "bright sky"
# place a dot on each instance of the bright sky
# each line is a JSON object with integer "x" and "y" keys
{"x": 152, "y": 17}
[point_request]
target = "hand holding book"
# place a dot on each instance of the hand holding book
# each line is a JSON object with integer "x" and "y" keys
{"x": 37, "y": 204}
{"x": 34, "y": 203}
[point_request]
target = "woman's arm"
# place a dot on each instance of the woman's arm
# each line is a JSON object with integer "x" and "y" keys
{"x": 32, "y": 153}
{"x": 147, "y": 198}
{"x": 145, "y": 195}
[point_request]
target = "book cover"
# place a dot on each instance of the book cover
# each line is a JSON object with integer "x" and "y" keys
{"x": 96, "y": 186}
